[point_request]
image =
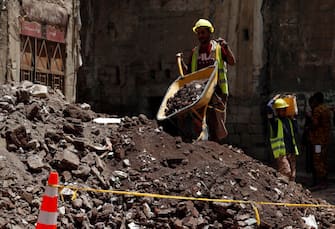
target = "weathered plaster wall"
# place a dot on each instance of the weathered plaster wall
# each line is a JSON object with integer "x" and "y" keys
{"x": 13, "y": 73}
{"x": 301, "y": 44}
{"x": 73, "y": 49}
{"x": 3, "y": 40}
{"x": 243, "y": 25}
{"x": 245, "y": 120}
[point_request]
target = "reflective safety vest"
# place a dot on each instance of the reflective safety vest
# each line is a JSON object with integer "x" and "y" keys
{"x": 215, "y": 50}
{"x": 277, "y": 143}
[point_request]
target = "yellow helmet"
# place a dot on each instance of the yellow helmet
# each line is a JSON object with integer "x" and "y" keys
{"x": 203, "y": 23}
{"x": 280, "y": 103}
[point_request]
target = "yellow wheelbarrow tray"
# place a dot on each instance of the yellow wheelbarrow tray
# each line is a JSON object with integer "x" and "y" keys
{"x": 210, "y": 73}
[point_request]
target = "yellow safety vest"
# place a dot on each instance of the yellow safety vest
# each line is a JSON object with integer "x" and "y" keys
{"x": 223, "y": 83}
{"x": 277, "y": 143}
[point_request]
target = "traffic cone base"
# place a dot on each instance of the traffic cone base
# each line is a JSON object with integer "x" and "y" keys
{"x": 47, "y": 218}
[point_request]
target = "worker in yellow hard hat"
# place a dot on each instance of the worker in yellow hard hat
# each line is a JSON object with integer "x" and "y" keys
{"x": 203, "y": 23}
{"x": 283, "y": 130}
{"x": 204, "y": 30}
{"x": 206, "y": 53}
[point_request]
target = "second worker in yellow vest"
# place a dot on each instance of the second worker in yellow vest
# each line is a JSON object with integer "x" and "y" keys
{"x": 282, "y": 137}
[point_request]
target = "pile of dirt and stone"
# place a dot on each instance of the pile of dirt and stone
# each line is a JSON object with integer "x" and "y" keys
{"x": 40, "y": 133}
{"x": 185, "y": 96}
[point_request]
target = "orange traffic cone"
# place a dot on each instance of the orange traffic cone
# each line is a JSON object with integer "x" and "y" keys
{"x": 47, "y": 218}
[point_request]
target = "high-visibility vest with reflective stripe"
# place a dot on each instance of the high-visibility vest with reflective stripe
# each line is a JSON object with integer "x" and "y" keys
{"x": 223, "y": 83}
{"x": 278, "y": 144}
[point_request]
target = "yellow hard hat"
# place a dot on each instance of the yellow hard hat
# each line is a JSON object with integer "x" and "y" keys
{"x": 280, "y": 103}
{"x": 203, "y": 23}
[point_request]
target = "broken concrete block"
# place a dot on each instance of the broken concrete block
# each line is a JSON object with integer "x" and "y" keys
{"x": 40, "y": 91}
{"x": 35, "y": 163}
{"x": 74, "y": 111}
{"x": 67, "y": 160}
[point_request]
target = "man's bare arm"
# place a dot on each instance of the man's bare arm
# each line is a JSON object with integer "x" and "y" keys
{"x": 230, "y": 56}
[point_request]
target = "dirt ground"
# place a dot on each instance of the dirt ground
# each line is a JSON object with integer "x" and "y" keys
{"x": 43, "y": 133}
{"x": 326, "y": 194}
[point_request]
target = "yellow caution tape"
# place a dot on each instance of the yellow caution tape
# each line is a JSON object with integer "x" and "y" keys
{"x": 74, "y": 196}
{"x": 258, "y": 219}
{"x": 154, "y": 195}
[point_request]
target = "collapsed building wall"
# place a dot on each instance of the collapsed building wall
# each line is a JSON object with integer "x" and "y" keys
{"x": 43, "y": 43}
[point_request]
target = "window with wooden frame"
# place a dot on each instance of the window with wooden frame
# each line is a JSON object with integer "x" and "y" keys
{"x": 42, "y": 62}
{"x": 27, "y": 58}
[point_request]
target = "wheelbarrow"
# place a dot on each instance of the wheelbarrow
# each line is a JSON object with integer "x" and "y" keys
{"x": 199, "y": 106}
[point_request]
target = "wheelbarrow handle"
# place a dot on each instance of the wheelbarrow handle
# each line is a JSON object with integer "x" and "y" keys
{"x": 179, "y": 62}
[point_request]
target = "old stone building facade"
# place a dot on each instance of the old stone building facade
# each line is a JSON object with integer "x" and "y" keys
{"x": 40, "y": 42}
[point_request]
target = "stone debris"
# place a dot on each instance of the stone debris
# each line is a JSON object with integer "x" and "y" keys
{"x": 310, "y": 222}
{"x": 44, "y": 133}
{"x": 185, "y": 96}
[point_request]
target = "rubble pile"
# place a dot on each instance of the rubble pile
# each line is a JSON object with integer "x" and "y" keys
{"x": 40, "y": 133}
{"x": 185, "y": 96}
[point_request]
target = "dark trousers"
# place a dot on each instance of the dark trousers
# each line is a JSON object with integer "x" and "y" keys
{"x": 320, "y": 164}
{"x": 216, "y": 116}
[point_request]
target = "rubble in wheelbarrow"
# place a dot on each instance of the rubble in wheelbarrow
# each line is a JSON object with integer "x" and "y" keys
{"x": 45, "y": 133}
{"x": 185, "y": 96}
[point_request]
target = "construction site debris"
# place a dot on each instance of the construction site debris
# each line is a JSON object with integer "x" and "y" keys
{"x": 133, "y": 155}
